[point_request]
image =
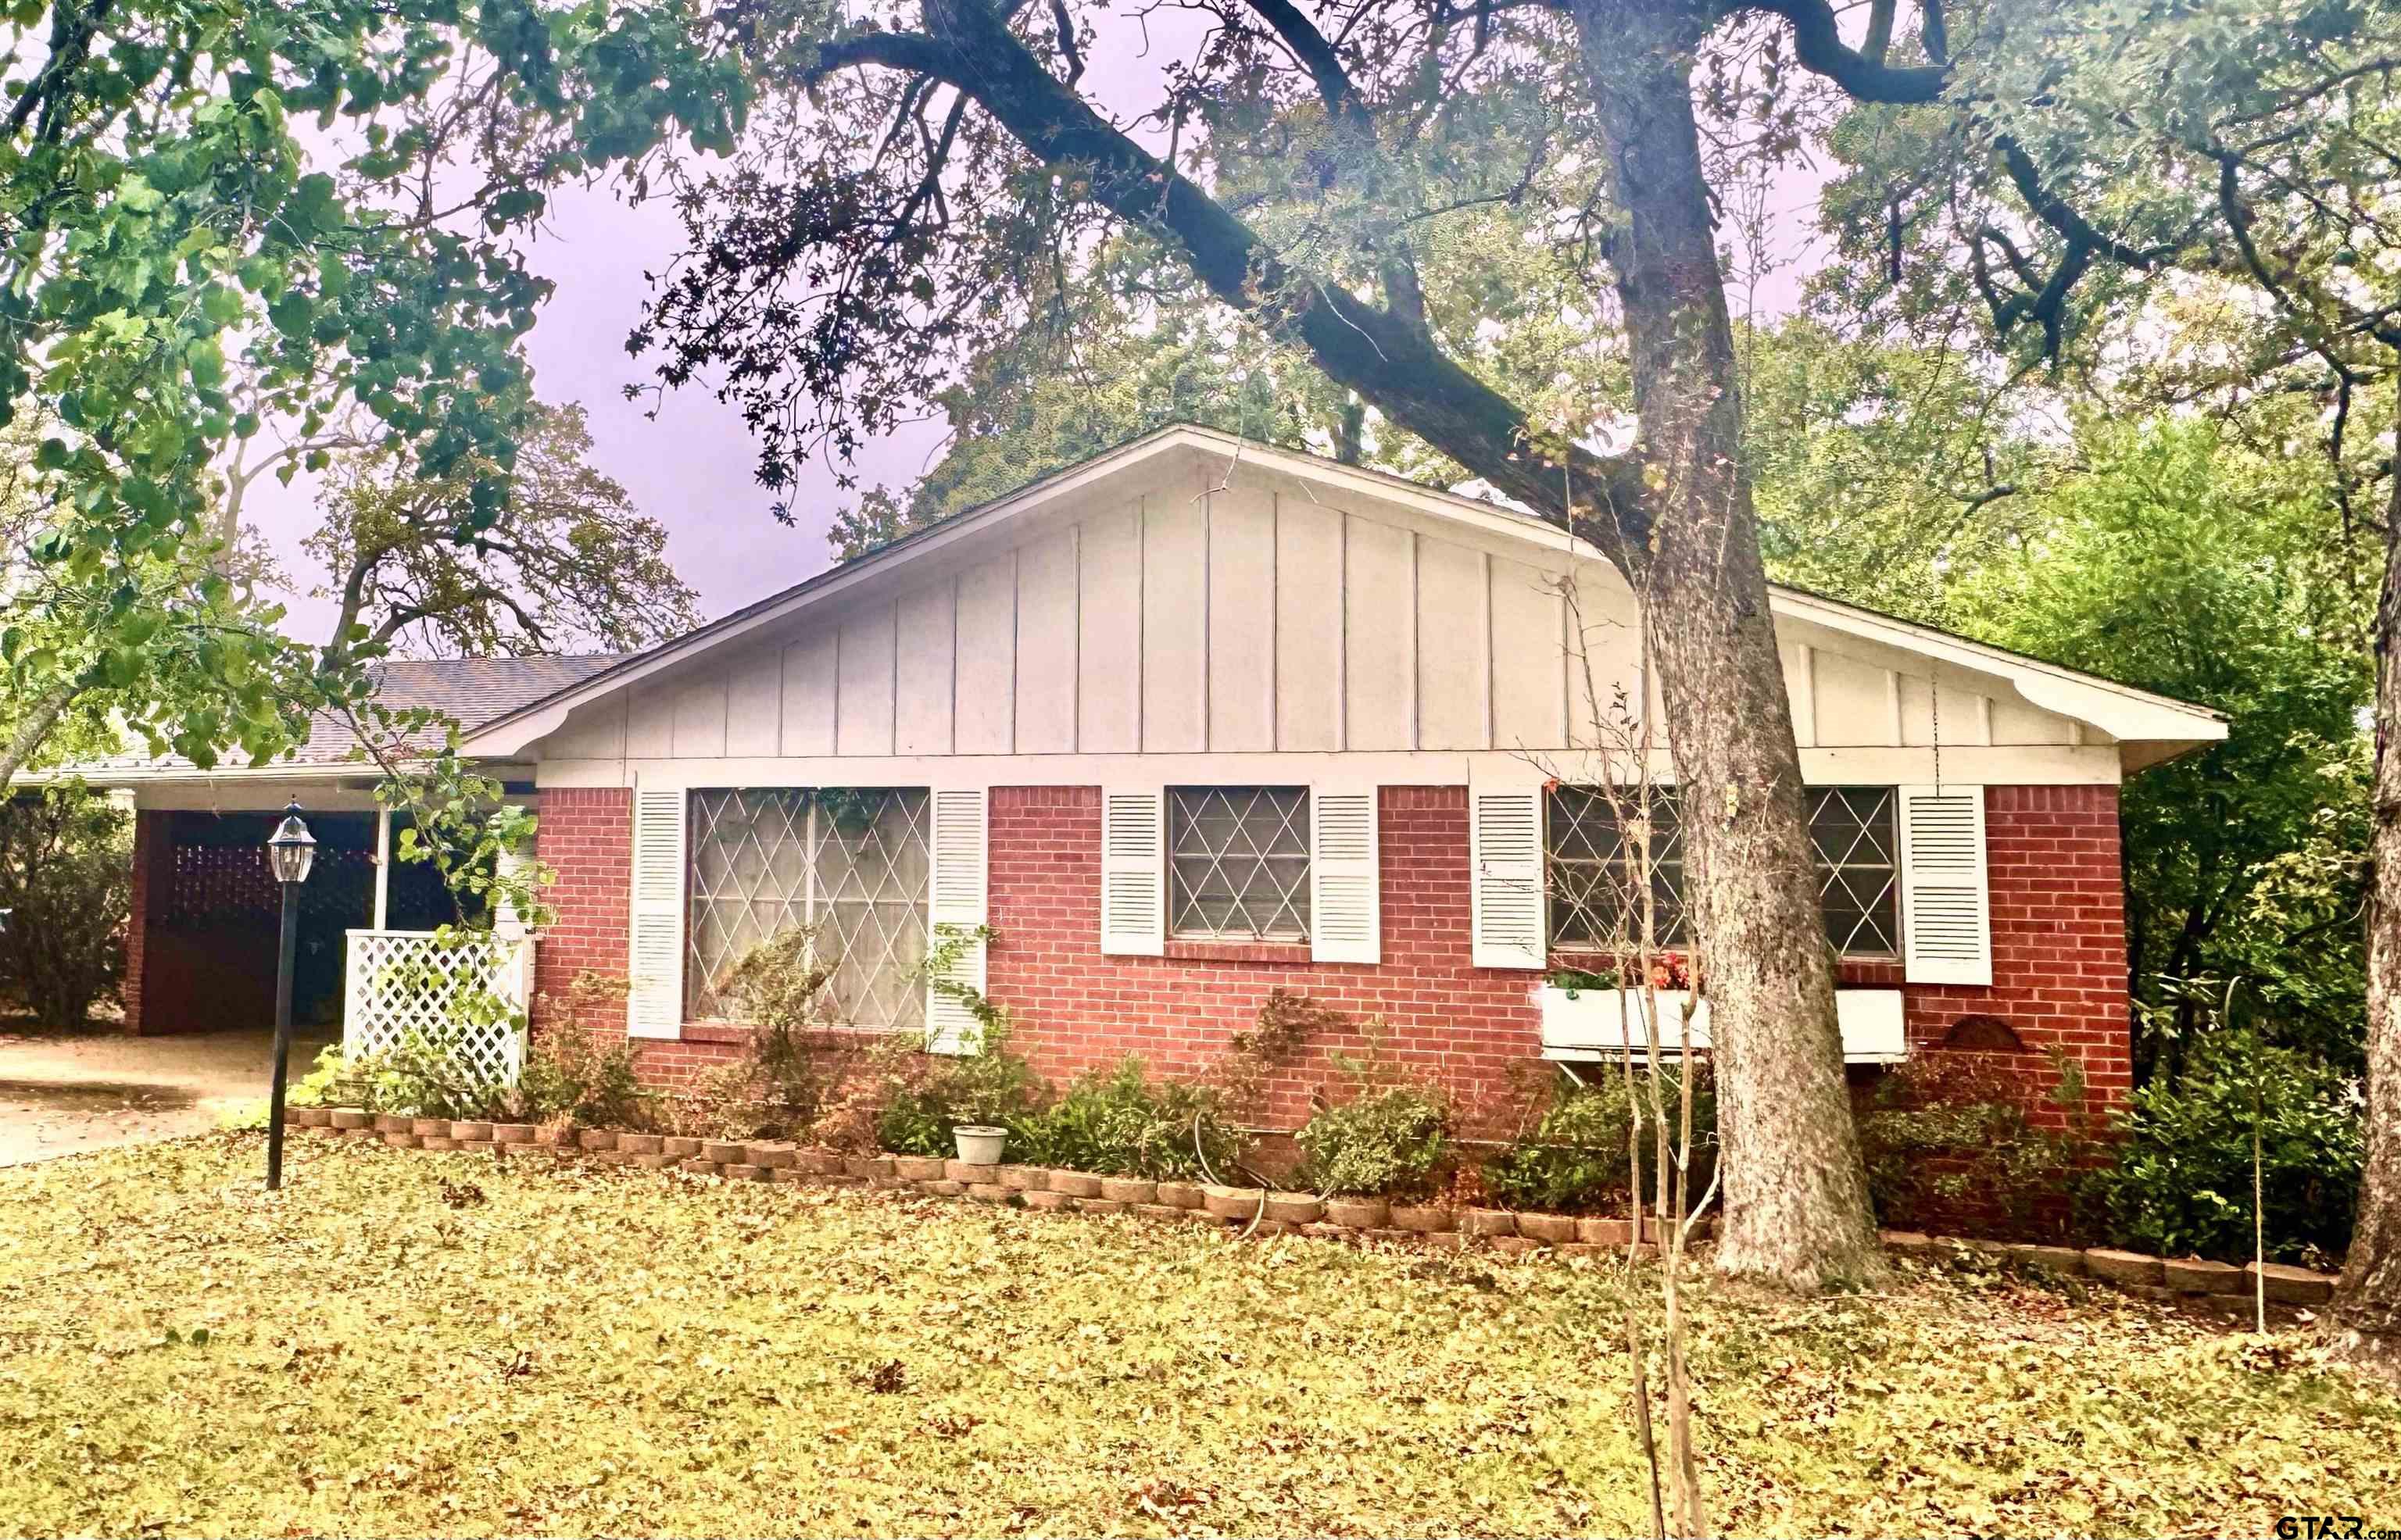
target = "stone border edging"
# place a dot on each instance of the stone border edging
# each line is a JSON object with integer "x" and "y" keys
{"x": 1252, "y": 1209}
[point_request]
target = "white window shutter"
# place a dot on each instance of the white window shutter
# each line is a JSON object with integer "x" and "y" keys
{"x": 961, "y": 847}
{"x": 1509, "y": 920}
{"x": 1946, "y": 911}
{"x": 1345, "y": 912}
{"x": 1133, "y": 870}
{"x": 654, "y": 952}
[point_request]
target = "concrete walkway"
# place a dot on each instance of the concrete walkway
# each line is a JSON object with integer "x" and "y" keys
{"x": 61, "y": 1092}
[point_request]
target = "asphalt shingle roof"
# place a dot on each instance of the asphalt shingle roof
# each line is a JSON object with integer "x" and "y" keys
{"x": 472, "y": 690}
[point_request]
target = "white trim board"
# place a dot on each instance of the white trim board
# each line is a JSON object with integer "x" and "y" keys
{"x": 2059, "y": 765}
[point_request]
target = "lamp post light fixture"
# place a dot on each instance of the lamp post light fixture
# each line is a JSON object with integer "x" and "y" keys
{"x": 291, "y": 851}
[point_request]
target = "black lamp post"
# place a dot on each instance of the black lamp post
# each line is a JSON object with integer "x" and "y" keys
{"x": 289, "y": 851}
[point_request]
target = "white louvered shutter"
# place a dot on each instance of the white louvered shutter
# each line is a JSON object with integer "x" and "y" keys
{"x": 960, "y": 846}
{"x": 1345, "y": 913}
{"x": 1946, "y": 914}
{"x": 654, "y": 1001}
{"x": 1509, "y": 920}
{"x": 1133, "y": 871}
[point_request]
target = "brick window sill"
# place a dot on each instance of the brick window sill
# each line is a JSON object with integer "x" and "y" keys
{"x": 1238, "y": 951}
{"x": 738, "y": 1033}
{"x": 714, "y": 1031}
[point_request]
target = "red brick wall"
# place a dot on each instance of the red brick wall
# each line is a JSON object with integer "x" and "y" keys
{"x": 2058, "y": 896}
{"x": 2058, "y": 937}
{"x": 152, "y": 844}
{"x": 586, "y": 835}
{"x": 1078, "y": 1008}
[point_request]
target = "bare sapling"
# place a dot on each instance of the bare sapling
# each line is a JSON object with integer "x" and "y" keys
{"x": 1620, "y": 906}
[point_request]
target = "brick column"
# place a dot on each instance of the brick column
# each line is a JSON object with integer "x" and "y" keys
{"x": 586, "y": 835}
{"x": 154, "y": 859}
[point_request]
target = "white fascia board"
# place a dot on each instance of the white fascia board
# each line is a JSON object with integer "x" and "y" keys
{"x": 2118, "y": 709}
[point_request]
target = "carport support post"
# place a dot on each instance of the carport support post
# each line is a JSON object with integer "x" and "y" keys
{"x": 383, "y": 868}
{"x": 284, "y": 950}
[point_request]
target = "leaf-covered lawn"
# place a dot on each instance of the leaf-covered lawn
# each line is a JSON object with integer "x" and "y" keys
{"x": 601, "y": 1351}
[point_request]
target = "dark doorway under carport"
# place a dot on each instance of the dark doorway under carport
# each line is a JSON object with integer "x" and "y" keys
{"x": 210, "y": 914}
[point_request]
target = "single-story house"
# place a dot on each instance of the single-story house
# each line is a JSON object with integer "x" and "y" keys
{"x": 1193, "y": 721}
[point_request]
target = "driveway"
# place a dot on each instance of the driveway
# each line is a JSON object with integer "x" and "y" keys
{"x": 61, "y": 1092}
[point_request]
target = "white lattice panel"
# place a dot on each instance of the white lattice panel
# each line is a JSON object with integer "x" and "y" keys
{"x": 442, "y": 991}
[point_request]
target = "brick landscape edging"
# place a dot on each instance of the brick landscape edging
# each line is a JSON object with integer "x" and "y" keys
{"x": 1255, "y": 1210}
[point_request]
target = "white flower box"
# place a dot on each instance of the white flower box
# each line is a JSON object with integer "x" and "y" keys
{"x": 1591, "y": 1024}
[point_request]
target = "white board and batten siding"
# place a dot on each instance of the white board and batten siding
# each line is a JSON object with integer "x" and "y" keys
{"x": 1200, "y": 619}
{"x": 1211, "y": 625}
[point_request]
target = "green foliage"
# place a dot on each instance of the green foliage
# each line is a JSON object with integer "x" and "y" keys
{"x": 567, "y": 563}
{"x": 1575, "y": 1159}
{"x": 581, "y": 1077}
{"x": 1950, "y": 1136}
{"x": 2185, "y": 564}
{"x": 1119, "y": 1122}
{"x": 569, "y": 1074}
{"x": 66, "y": 861}
{"x": 1392, "y": 1139}
{"x": 416, "y": 1077}
{"x": 460, "y": 824}
{"x": 223, "y": 221}
{"x": 2182, "y": 1182}
{"x": 924, "y": 1096}
{"x": 794, "y": 1070}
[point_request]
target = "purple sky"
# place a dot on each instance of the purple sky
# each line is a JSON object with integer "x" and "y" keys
{"x": 692, "y": 466}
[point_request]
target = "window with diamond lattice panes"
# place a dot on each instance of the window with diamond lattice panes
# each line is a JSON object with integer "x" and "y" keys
{"x": 1851, "y": 832}
{"x": 1851, "y": 835}
{"x": 853, "y": 866}
{"x": 1592, "y": 874}
{"x": 1237, "y": 863}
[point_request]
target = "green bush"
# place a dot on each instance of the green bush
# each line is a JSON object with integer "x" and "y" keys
{"x": 1392, "y": 1140}
{"x": 569, "y": 1073}
{"x": 924, "y": 1096}
{"x": 66, "y": 864}
{"x": 1948, "y": 1136}
{"x": 1575, "y": 1160}
{"x": 1119, "y": 1122}
{"x": 2182, "y": 1180}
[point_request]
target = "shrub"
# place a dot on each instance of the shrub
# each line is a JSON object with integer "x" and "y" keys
{"x": 924, "y": 1096}
{"x": 1575, "y": 1159}
{"x": 66, "y": 865}
{"x": 1118, "y": 1121}
{"x": 1947, "y": 1133}
{"x": 793, "y": 1071}
{"x": 1387, "y": 1143}
{"x": 1391, "y": 1139}
{"x": 572, "y": 1074}
{"x": 2182, "y": 1179}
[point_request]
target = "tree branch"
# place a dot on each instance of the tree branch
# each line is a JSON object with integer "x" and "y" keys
{"x": 1370, "y": 350}
{"x": 1818, "y": 43}
{"x": 2054, "y": 211}
{"x": 1343, "y": 102}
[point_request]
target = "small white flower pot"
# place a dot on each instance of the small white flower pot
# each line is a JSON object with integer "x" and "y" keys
{"x": 979, "y": 1144}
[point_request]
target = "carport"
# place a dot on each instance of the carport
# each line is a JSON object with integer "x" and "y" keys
{"x": 201, "y": 951}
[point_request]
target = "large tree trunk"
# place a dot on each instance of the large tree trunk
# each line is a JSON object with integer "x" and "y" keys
{"x": 2366, "y": 1313}
{"x": 1796, "y": 1197}
{"x": 1676, "y": 519}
